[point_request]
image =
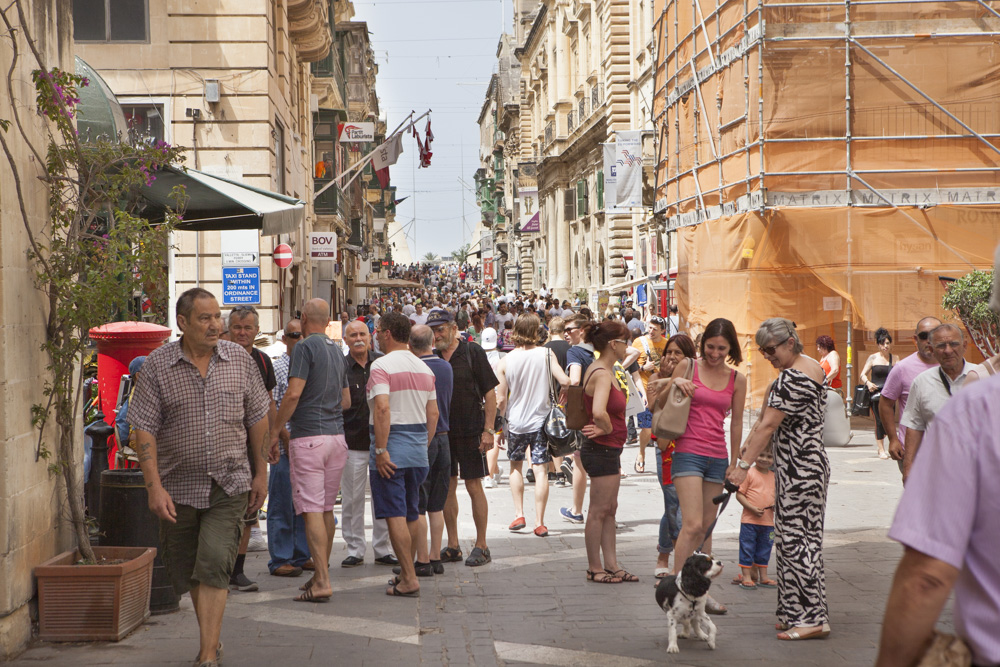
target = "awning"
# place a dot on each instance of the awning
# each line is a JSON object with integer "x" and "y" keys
{"x": 632, "y": 283}
{"x": 219, "y": 203}
{"x": 98, "y": 115}
{"x": 387, "y": 282}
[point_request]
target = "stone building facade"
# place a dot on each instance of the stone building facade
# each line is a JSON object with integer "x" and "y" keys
{"x": 31, "y": 529}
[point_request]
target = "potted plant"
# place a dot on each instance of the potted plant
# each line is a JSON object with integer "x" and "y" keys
{"x": 92, "y": 257}
{"x": 969, "y": 297}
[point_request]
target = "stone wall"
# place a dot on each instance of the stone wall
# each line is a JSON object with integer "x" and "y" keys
{"x": 30, "y": 508}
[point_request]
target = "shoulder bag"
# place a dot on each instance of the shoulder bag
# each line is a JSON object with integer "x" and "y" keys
{"x": 836, "y": 423}
{"x": 561, "y": 440}
{"x": 862, "y": 402}
{"x": 670, "y": 421}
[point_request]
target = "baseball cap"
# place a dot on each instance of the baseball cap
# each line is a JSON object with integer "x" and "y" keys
{"x": 438, "y": 316}
{"x": 489, "y": 338}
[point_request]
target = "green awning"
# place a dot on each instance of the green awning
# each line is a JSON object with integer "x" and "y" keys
{"x": 98, "y": 115}
{"x": 219, "y": 203}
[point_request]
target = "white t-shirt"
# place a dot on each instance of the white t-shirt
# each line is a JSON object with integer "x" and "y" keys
{"x": 418, "y": 319}
{"x": 528, "y": 385}
{"x": 501, "y": 319}
{"x": 408, "y": 309}
{"x": 928, "y": 395}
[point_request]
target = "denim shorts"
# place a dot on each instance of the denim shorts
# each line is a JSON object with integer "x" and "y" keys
{"x": 644, "y": 419}
{"x": 711, "y": 469}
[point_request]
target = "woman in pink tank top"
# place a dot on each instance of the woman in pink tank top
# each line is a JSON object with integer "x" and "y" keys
{"x": 701, "y": 458}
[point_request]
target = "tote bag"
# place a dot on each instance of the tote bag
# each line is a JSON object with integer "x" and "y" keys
{"x": 670, "y": 421}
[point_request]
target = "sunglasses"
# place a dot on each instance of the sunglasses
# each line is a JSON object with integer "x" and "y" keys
{"x": 568, "y": 329}
{"x": 619, "y": 340}
{"x": 294, "y": 334}
{"x": 924, "y": 335}
{"x": 770, "y": 349}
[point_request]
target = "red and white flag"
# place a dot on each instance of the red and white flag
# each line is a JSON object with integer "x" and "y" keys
{"x": 424, "y": 148}
{"x": 388, "y": 153}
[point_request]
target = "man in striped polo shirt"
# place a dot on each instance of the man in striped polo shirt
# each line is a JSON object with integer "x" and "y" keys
{"x": 404, "y": 414}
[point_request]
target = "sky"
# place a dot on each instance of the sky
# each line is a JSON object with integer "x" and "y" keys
{"x": 438, "y": 55}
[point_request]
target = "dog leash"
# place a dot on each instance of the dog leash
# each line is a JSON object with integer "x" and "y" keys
{"x": 722, "y": 500}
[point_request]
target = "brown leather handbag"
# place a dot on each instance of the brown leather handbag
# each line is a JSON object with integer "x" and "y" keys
{"x": 670, "y": 421}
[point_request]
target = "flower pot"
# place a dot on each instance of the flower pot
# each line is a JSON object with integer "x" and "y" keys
{"x": 94, "y": 602}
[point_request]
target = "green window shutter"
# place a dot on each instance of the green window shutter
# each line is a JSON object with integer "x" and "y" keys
{"x": 581, "y": 198}
{"x": 600, "y": 190}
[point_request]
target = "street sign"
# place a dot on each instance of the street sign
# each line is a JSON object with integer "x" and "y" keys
{"x": 240, "y": 259}
{"x": 323, "y": 245}
{"x": 283, "y": 256}
{"x": 240, "y": 285}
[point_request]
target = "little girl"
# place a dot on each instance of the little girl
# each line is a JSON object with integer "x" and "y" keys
{"x": 757, "y": 524}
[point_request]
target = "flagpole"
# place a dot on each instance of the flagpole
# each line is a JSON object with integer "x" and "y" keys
{"x": 359, "y": 165}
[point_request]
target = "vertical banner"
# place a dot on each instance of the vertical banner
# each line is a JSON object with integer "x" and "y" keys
{"x": 527, "y": 194}
{"x": 628, "y": 156}
{"x": 610, "y": 179}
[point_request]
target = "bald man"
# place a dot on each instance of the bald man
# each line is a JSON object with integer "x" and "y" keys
{"x": 313, "y": 405}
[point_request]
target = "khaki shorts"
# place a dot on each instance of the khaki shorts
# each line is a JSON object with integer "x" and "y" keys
{"x": 201, "y": 547}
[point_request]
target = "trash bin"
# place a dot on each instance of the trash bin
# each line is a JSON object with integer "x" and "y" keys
{"x": 118, "y": 343}
{"x": 126, "y": 521}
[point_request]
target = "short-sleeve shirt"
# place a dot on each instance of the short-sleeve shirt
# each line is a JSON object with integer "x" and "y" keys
{"x": 928, "y": 395}
{"x": 356, "y": 418}
{"x": 560, "y": 348}
{"x": 473, "y": 379}
{"x": 636, "y": 324}
{"x": 950, "y": 511}
{"x": 758, "y": 488}
{"x": 649, "y": 351}
{"x": 581, "y": 355}
{"x": 266, "y": 369}
{"x": 320, "y": 362}
{"x": 409, "y": 384}
{"x": 444, "y": 380}
{"x": 897, "y": 385}
{"x": 200, "y": 423}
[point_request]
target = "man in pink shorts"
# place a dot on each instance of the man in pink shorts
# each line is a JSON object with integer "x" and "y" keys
{"x": 317, "y": 395}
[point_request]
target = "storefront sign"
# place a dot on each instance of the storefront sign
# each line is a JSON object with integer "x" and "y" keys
{"x": 356, "y": 132}
{"x": 323, "y": 245}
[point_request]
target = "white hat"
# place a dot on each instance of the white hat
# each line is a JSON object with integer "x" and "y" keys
{"x": 489, "y": 338}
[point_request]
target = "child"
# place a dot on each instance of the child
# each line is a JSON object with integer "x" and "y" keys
{"x": 757, "y": 524}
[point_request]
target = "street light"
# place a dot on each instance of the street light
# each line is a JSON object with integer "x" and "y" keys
{"x": 516, "y": 233}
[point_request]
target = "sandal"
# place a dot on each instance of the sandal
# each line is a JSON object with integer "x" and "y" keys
{"x": 768, "y": 583}
{"x": 822, "y": 632}
{"x": 662, "y": 572}
{"x": 748, "y": 587}
{"x": 623, "y": 575}
{"x": 712, "y": 606}
{"x": 451, "y": 555}
{"x": 306, "y": 586}
{"x": 309, "y": 596}
{"x": 640, "y": 466}
{"x": 395, "y": 592}
{"x": 605, "y": 577}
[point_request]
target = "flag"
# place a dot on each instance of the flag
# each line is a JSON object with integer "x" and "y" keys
{"x": 388, "y": 153}
{"x": 392, "y": 206}
{"x": 424, "y": 148}
{"x": 428, "y": 134}
{"x": 628, "y": 156}
{"x": 383, "y": 177}
{"x": 610, "y": 178}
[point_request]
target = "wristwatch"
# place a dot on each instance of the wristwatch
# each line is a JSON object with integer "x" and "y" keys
{"x": 740, "y": 462}
{"x": 379, "y": 451}
{"x": 490, "y": 431}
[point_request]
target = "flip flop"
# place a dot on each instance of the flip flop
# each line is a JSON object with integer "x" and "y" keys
{"x": 395, "y": 592}
{"x": 640, "y": 466}
{"x": 748, "y": 587}
{"x": 662, "y": 572}
{"x": 309, "y": 596}
{"x": 795, "y": 635}
{"x": 767, "y": 583}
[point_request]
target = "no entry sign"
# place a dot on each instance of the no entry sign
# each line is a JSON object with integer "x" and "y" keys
{"x": 283, "y": 256}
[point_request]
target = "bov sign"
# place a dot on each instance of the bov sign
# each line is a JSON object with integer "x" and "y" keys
{"x": 323, "y": 245}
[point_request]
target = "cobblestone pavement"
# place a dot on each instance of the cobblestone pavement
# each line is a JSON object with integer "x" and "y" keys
{"x": 532, "y": 605}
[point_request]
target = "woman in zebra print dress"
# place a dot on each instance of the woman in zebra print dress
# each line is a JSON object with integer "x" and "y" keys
{"x": 794, "y": 415}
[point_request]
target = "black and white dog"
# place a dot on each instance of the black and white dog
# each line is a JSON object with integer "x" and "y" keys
{"x": 683, "y": 599}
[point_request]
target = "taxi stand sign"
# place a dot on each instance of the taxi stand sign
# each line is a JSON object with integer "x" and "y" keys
{"x": 240, "y": 285}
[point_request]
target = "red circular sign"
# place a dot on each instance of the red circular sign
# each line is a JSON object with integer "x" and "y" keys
{"x": 283, "y": 255}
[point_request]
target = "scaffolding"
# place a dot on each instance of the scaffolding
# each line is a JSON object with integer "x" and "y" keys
{"x": 829, "y": 159}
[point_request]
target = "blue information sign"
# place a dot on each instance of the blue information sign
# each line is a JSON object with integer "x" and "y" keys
{"x": 240, "y": 285}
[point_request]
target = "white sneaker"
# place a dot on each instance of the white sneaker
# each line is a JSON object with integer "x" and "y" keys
{"x": 489, "y": 483}
{"x": 257, "y": 541}
{"x": 497, "y": 478}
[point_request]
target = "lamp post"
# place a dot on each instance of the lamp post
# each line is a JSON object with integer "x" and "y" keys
{"x": 516, "y": 234}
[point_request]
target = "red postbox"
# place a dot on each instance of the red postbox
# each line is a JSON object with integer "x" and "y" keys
{"x": 118, "y": 343}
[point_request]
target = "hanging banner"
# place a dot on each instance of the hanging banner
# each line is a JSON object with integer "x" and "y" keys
{"x": 610, "y": 178}
{"x": 628, "y": 175}
{"x": 527, "y": 197}
{"x": 356, "y": 132}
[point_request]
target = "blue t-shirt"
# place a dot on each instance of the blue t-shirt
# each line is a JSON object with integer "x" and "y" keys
{"x": 320, "y": 362}
{"x": 444, "y": 380}
{"x": 581, "y": 355}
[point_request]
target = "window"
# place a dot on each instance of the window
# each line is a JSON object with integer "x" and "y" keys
{"x": 569, "y": 204}
{"x": 581, "y": 197}
{"x": 110, "y": 20}
{"x": 279, "y": 156}
{"x": 145, "y": 122}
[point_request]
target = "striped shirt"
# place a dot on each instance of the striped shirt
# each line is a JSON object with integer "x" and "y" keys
{"x": 409, "y": 384}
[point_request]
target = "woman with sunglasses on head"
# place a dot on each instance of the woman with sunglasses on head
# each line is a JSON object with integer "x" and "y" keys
{"x": 601, "y": 450}
{"x": 794, "y": 415}
{"x": 679, "y": 347}
{"x": 873, "y": 376}
{"x": 701, "y": 457}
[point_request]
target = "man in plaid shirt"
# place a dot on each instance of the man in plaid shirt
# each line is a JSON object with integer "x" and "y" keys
{"x": 194, "y": 406}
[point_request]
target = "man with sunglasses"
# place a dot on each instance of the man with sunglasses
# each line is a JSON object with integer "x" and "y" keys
{"x": 897, "y": 386}
{"x": 931, "y": 389}
{"x": 286, "y": 532}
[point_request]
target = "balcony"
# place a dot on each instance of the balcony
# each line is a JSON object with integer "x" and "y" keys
{"x": 329, "y": 83}
{"x": 569, "y": 123}
{"x": 330, "y": 202}
{"x": 550, "y": 132}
